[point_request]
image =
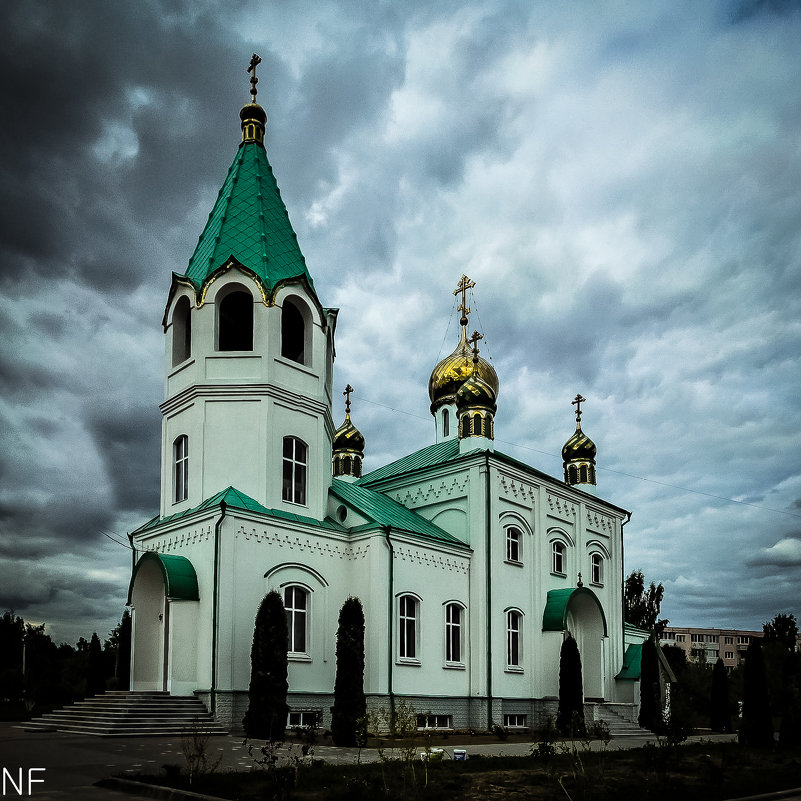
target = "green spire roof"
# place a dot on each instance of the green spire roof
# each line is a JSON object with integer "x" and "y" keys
{"x": 249, "y": 222}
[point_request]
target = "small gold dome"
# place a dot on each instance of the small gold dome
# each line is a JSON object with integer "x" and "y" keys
{"x": 476, "y": 393}
{"x": 348, "y": 438}
{"x": 579, "y": 448}
{"x": 449, "y": 375}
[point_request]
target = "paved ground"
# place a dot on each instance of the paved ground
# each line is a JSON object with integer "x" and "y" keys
{"x": 73, "y": 763}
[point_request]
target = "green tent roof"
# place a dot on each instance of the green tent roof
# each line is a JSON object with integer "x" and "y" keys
{"x": 180, "y": 579}
{"x": 387, "y": 512}
{"x": 554, "y": 618}
{"x": 426, "y": 457}
{"x": 235, "y": 499}
{"x": 249, "y": 222}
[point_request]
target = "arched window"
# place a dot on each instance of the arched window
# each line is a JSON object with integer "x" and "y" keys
{"x": 296, "y": 605}
{"x": 597, "y": 572}
{"x": 235, "y": 321}
{"x": 558, "y": 565}
{"x": 407, "y": 627}
{"x": 477, "y": 425}
{"x": 294, "y": 475}
{"x": 513, "y": 651}
{"x": 453, "y": 633}
{"x": 514, "y": 539}
{"x": 181, "y": 331}
{"x": 446, "y": 423}
{"x": 180, "y": 470}
{"x": 293, "y": 333}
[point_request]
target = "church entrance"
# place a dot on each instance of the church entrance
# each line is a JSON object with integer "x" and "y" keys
{"x": 157, "y": 581}
{"x": 577, "y": 611}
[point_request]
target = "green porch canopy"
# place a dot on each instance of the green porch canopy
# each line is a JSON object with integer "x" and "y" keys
{"x": 554, "y": 618}
{"x": 180, "y": 579}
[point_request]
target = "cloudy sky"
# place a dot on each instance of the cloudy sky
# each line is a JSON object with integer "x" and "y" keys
{"x": 621, "y": 180}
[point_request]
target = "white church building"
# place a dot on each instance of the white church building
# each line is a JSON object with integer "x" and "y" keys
{"x": 471, "y": 566}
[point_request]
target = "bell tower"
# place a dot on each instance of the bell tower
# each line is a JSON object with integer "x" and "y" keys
{"x": 249, "y": 351}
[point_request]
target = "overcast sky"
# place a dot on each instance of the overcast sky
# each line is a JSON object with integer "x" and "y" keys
{"x": 621, "y": 180}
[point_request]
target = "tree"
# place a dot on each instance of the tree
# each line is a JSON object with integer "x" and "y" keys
{"x": 350, "y": 706}
{"x": 757, "y": 725}
{"x": 641, "y": 607}
{"x": 790, "y": 726}
{"x": 720, "y": 718}
{"x": 650, "y": 716}
{"x": 267, "y": 711}
{"x": 570, "y": 717}
{"x": 95, "y": 672}
{"x": 783, "y": 629}
{"x": 12, "y": 635}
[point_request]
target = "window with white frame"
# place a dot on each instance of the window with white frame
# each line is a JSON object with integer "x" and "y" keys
{"x": 294, "y": 471}
{"x": 434, "y": 722}
{"x": 729, "y": 655}
{"x": 514, "y": 541}
{"x": 513, "y": 653}
{"x": 296, "y": 606}
{"x": 512, "y": 721}
{"x": 180, "y": 473}
{"x": 558, "y": 558}
{"x": 597, "y": 568}
{"x": 453, "y": 633}
{"x": 407, "y": 627}
{"x": 304, "y": 720}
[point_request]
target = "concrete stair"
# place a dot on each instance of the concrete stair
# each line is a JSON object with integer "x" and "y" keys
{"x": 130, "y": 714}
{"x": 619, "y": 725}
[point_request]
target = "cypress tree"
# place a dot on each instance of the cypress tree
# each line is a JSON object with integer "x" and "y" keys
{"x": 267, "y": 707}
{"x": 570, "y": 717}
{"x": 124, "y": 651}
{"x": 650, "y": 713}
{"x": 350, "y": 706}
{"x": 95, "y": 673}
{"x": 757, "y": 725}
{"x": 720, "y": 718}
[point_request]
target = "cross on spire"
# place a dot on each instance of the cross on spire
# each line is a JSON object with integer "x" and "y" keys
{"x": 254, "y": 61}
{"x": 577, "y": 401}
{"x": 464, "y": 284}
{"x": 346, "y": 393}
{"x": 474, "y": 340}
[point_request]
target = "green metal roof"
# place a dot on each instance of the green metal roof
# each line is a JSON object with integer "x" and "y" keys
{"x": 249, "y": 222}
{"x": 632, "y": 660}
{"x": 387, "y": 512}
{"x": 180, "y": 579}
{"x": 554, "y": 618}
{"x": 426, "y": 457}
{"x": 235, "y": 499}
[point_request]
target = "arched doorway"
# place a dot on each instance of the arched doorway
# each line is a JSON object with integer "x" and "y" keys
{"x": 578, "y": 611}
{"x": 157, "y": 580}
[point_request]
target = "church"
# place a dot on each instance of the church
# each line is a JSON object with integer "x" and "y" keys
{"x": 472, "y": 567}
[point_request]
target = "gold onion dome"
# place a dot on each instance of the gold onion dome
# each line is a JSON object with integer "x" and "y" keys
{"x": 449, "y": 375}
{"x": 476, "y": 393}
{"x": 348, "y": 438}
{"x": 579, "y": 448}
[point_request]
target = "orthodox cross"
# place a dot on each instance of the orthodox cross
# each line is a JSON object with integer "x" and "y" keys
{"x": 580, "y": 582}
{"x": 464, "y": 284}
{"x": 577, "y": 401}
{"x": 346, "y": 393}
{"x": 253, "y": 79}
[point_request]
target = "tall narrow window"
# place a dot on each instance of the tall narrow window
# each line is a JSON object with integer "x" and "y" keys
{"x": 513, "y": 638}
{"x": 597, "y": 562}
{"x": 407, "y": 628}
{"x": 296, "y": 605}
{"x": 477, "y": 432}
{"x": 453, "y": 633}
{"x": 180, "y": 474}
{"x": 558, "y": 558}
{"x": 236, "y": 321}
{"x": 181, "y": 331}
{"x": 513, "y": 539}
{"x": 294, "y": 477}
{"x": 446, "y": 423}
{"x": 293, "y": 333}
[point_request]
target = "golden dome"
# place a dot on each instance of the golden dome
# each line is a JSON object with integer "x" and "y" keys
{"x": 579, "y": 448}
{"x": 449, "y": 375}
{"x": 348, "y": 438}
{"x": 476, "y": 393}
